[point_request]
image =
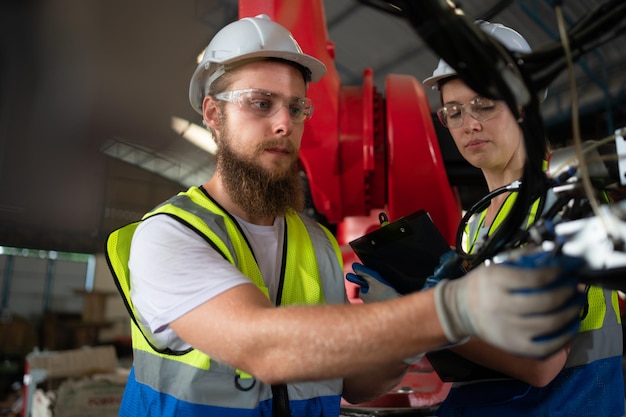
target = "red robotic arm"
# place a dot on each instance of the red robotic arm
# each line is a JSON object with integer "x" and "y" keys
{"x": 363, "y": 152}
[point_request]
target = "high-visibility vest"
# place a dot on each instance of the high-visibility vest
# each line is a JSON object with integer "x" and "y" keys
{"x": 591, "y": 383}
{"x": 189, "y": 383}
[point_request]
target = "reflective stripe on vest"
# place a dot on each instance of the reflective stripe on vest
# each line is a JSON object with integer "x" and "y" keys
{"x": 600, "y": 332}
{"x": 311, "y": 266}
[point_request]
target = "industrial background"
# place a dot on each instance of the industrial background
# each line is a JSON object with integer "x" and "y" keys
{"x": 89, "y": 89}
{"x": 95, "y": 128}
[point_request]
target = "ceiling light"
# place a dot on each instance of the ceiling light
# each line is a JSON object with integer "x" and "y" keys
{"x": 195, "y": 134}
{"x": 182, "y": 172}
{"x": 200, "y": 56}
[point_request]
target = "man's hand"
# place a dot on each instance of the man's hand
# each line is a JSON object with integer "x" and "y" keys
{"x": 529, "y": 306}
{"x": 372, "y": 287}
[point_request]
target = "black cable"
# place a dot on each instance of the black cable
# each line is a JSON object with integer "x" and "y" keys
{"x": 491, "y": 70}
{"x": 478, "y": 207}
{"x": 602, "y": 24}
{"x": 515, "y": 78}
{"x": 480, "y": 60}
{"x": 383, "y": 6}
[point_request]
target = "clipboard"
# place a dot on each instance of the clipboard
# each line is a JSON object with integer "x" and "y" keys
{"x": 404, "y": 252}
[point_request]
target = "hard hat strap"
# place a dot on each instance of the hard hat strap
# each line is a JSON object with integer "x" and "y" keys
{"x": 221, "y": 70}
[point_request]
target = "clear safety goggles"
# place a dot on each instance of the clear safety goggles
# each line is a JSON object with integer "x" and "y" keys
{"x": 480, "y": 108}
{"x": 264, "y": 103}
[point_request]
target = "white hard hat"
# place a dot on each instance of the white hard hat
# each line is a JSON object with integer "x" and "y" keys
{"x": 512, "y": 40}
{"x": 248, "y": 38}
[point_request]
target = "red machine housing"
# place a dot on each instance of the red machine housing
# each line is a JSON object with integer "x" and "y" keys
{"x": 365, "y": 152}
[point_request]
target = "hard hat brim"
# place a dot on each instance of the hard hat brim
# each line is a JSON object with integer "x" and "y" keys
{"x": 314, "y": 65}
{"x": 433, "y": 81}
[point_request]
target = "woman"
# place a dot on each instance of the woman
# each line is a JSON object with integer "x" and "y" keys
{"x": 583, "y": 379}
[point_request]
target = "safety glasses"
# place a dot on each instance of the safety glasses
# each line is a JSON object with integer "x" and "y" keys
{"x": 264, "y": 103}
{"x": 480, "y": 108}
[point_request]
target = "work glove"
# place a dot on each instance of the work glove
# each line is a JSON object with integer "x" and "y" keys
{"x": 529, "y": 305}
{"x": 448, "y": 266}
{"x": 372, "y": 287}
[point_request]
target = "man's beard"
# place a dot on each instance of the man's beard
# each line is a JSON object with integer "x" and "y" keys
{"x": 258, "y": 191}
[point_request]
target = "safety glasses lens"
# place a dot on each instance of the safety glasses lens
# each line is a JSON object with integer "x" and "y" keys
{"x": 266, "y": 104}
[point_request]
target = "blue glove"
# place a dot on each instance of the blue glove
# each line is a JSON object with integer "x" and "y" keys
{"x": 448, "y": 265}
{"x": 372, "y": 287}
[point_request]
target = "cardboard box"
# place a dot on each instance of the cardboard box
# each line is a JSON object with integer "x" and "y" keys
{"x": 75, "y": 362}
{"x": 96, "y": 396}
{"x": 94, "y": 305}
{"x": 81, "y": 382}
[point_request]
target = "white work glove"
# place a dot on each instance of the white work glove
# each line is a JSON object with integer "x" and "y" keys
{"x": 529, "y": 306}
{"x": 372, "y": 288}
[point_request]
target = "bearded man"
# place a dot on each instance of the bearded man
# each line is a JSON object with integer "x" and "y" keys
{"x": 238, "y": 300}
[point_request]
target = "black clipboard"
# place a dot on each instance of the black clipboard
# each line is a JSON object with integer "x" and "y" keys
{"x": 452, "y": 367}
{"x": 404, "y": 252}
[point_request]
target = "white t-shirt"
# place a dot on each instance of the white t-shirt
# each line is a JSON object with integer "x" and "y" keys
{"x": 174, "y": 270}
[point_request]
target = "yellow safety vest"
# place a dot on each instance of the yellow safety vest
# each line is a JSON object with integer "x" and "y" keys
{"x": 312, "y": 274}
